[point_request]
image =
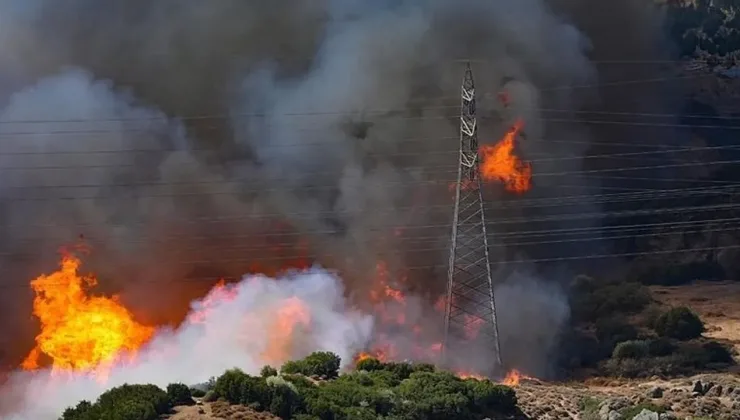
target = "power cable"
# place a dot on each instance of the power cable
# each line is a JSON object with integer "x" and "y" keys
{"x": 425, "y": 267}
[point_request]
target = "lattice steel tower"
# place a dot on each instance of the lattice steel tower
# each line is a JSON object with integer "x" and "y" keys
{"x": 470, "y": 301}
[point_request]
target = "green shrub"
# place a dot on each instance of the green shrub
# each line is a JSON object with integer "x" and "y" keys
{"x": 126, "y": 402}
{"x": 210, "y": 396}
{"x": 615, "y": 329}
{"x": 679, "y": 323}
{"x": 197, "y": 393}
{"x": 237, "y": 387}
{"x": 661, "y": 347}
{"x": 441, "y": 395}
{"x": 369, "y": 364}
{"x": 268, "y": 371}
{"x": 300, "y": 381}
{"x": 179, "y": 394}
{"x": 686, "y": 359}
{"x": 630, "y": 412}
{"x": 717, "y": 353}
{"x": 423, "y": 394}
{"x": 605, "y": 300}
{"x": 487, "y": 397}
{"x": 402, "y": 370}
{"x": 284, "y": 400}
{"x": 229, "y": 385}
{"x": 633, "y": 349}
{"x": 323, "y": 364}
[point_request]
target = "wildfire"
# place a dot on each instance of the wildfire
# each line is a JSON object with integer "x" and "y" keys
{"x": 80, "y": 332}
{"x": 470, "y": 375}
{"x": 501, "y": 164}
{"x": 220, "y": 292}
{"x": 294, "y": 314}
{"x": 514, "y": 378}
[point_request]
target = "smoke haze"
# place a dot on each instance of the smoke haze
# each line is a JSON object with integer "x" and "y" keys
{"x": 195, "y": 141}
{"x": 298, "y": 314}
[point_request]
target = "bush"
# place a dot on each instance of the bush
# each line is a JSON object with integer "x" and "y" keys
{"x": 687, "y": 358}
{"x": 613, "y": 330}
{"x": 679, "y": 323}
{"x": 369, "y": 364}
{"x": 442, "y": 396}
{"x": 210, "y": 396}
{"x": 631, "y": 412}
{"x": 633, "y": 349}
{"x": 360, "y": 395}
{"x": 717, "y": 353}
{"x": 284, "y": 399}
{"x": 126, "y": 402}
{"x": 237, "y": 387}
{"x": 179, "y": 394}
{"x": 661, "y": 347}
{"x": 322, "y": 364}
{"x": 197, "y": 393}
{"x": 596, "y": 301}
{"x": 268, "y": 371}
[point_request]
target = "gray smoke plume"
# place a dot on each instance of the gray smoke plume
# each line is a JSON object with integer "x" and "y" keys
{"x": 296, "y": 315}
{"x": 248, "y": 136}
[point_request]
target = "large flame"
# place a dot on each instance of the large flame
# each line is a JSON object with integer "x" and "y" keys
{"x": 80, "y": 332}
{"x": 499, "y": 163}
{"x": 294, "y": 314}
{"x": 514, "y": 378}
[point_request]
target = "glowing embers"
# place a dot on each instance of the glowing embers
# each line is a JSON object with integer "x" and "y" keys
{"x": 80, "y": 332}
{"x": 499, "y": 163}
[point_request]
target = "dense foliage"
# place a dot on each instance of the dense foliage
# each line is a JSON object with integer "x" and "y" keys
{"x": 322, "y": 364}
{"x": 126, "y": 402}
{"x": 618, "y": 330}
{"x": 679, "y": 323}
{"x": 179, "y": 394}
{"x": 375, "y": 390}
{"x": 704, "y": 26}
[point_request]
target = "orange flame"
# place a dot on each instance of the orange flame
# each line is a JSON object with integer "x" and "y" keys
{"x": 470, "y": 375}
{"x": 220, "y": 293}
{"x": 500, "y": 164}
{"x": 292, "y": 315}
{"x": 514, "y": 378}
{"x": 80, "y": 332}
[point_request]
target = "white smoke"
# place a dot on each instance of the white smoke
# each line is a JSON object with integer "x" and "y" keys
{"x": 232, "y": 332}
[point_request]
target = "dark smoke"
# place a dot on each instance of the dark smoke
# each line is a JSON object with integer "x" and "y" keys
{"x": 218, "y": 163}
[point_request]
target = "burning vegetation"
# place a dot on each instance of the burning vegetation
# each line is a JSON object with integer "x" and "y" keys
{"x": 80, "y": 332}
{"x": 501, "y": 164}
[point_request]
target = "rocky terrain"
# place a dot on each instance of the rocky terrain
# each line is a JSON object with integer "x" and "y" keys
{"x": 713, "y": 395}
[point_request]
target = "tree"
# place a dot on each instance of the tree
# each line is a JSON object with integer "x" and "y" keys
{"x": 127, "y": 402}
{"x": 268, "y": 371}
{"x": 179, "y": 394}
{"x": 319, "y": 363}
{"x": 633, "y": 349}
{"x": 679, "y": 323}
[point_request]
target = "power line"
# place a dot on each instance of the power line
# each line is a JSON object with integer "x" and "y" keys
{"x": 497, "y": 222}
{"x": 405, "y": 243}
{"x": 423, "y": 267}
{"x": 231, "y": 116}
{"x": 118, "y": 130}
{"x": 390, "y": 154}
{"x": 323, "y": 187}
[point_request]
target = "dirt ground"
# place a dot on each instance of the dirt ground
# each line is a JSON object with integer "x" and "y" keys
{"x": 218, "y": 411}
{"x": 717, "y": 303}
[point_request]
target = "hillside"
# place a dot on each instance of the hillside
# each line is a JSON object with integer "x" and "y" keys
{"x": 313, "y": 388}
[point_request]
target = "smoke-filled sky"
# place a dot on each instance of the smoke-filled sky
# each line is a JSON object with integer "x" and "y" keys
{"x": 189, "y": 140}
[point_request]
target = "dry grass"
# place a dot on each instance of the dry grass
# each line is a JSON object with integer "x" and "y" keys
{"x": 717, "y": 303}
{"x": 219, "y": 411}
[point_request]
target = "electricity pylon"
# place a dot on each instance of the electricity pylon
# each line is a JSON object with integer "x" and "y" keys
{"x": 470, "y": 301}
